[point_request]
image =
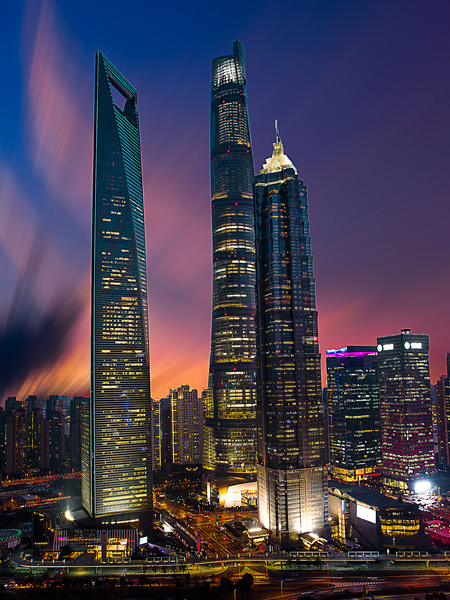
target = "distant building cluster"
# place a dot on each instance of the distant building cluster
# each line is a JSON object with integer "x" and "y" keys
{"x": 40, "y": 437}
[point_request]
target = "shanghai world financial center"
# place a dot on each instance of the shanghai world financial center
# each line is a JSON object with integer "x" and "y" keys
{"x": 116, "y": 443}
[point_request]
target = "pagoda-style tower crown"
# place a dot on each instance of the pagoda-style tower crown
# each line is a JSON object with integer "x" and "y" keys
{"x": 278, "y": 161}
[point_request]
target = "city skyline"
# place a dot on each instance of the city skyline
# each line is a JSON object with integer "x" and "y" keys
{"x": 371, "y": 133}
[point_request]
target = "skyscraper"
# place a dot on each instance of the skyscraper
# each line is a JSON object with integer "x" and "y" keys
{"x": 116, "y": 453}
{"x": 37, "y": 440}
{"x": 187, "y": 427}
{"x": 405, "y": 407}
{"x": 354, "y": 409}
{"x": 16, "y": 442}
{"x": 292, "y": 478}
{"x": 156, "y": 434}
{"x": 442, "y": 391}
{"x": 56, "y": 440}
{"x": 230, "y": 428}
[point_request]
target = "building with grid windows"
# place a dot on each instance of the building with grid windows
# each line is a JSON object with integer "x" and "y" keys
{"x": 354, "y": 412}
{"x": 405, "y": 407}
{"x": 442, "y": 404}
{"x": 230, "y": 426}
{"x": 291, "y": 469}
{"x": 187, "y": 427}
{"x": 116, "y": 444}
{"x": 156, "y": 434}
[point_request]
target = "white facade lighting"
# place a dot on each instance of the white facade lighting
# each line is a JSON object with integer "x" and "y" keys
{"x": 423, "y": 486}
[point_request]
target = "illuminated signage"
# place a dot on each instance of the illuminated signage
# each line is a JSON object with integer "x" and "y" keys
{"x": 366, "y": 514}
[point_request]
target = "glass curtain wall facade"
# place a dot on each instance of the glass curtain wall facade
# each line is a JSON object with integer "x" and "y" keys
{"x": 354, "y": 409}
{"x": 116, "y": 452}
{"x": 405, "y": 406}
{"x": 230, "y": 426}
{"x": 291, "y": 471}
{"x": 442, "y": 404}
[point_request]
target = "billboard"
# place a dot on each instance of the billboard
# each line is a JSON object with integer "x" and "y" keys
{"x": 366, "y": 514}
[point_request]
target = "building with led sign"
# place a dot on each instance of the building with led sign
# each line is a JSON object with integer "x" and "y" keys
{"x": 9, "y": 539}
{"x": 230, "y": 426}
{"x": 405, "y": 407}
{"x": 375, "y": 521}
{"x": 108, "y": 542}
{"x": 116, "y": 444}
{"x": 291, "y": 471}
{"x": 354, "y": 411}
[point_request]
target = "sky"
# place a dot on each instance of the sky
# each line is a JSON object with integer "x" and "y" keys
{"x": 361, "y": 93}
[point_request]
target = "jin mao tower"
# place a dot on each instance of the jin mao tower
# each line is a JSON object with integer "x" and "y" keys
{"x": 116, "y": 444}
{"x": 292, "y": 478}
{"x": 230, "y": 426}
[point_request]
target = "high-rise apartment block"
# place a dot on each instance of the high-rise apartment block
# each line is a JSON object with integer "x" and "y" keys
{"x": 292, "y": 475}
{"x": 74, "y": 450}
{"x": 354, "y": 412}
{"x": 56, "y": 440}
{"x": 166, "y": 433}
{"x": 116, "y": 452}
{"x": 405, "y": 407}
{"x": 16, "y": 442}
{"x": 187, "y": 427}
{"x": 156, "y": 434}
{"x": 37, "y": 441}
{"x": 230, "y": 427}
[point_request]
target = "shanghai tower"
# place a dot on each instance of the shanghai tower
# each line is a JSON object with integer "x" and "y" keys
{"x": 292, "y": 476}
{"x": 230, "y": 426}
{"x": 116, "y": 446}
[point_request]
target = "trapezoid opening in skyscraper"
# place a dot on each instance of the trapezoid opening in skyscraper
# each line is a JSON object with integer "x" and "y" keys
{"x": 116, "y": 431}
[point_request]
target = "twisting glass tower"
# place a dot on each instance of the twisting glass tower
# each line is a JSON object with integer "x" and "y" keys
{"x": 230, "y": 430}
{"x": 292, "y": 490}
{"x": 116, "y": 445}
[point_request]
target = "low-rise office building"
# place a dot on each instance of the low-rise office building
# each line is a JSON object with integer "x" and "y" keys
{"x": 375, "y": 521}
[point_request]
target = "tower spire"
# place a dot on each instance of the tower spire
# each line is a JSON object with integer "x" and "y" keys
{"x": 278, "y": 160}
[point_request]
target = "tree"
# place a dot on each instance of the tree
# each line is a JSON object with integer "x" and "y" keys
{"x": 244, "y": 585}
{"x": 65, "y": 552}
{"x": 226, "y": 587}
